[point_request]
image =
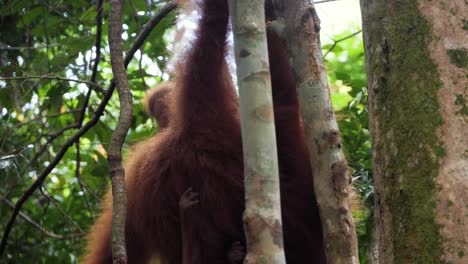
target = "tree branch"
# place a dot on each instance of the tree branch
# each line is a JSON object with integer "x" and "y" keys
{"x": 83, "y": 187}
{"x": 39, "y": 118}
{"x": 97, "y": 58}
{"x": 32, "y": 222}
{"x": 62, "y": 212}
{"x": 51, "y": 139}
{"x": 138, "y": 23}
{"x": 51, "y": 77}
{"x": 331, "y": 176}
{"x": 335, "y": 42}
{"x": 324, "y": 1}
{"x": 262, "y": 204}
{"x": 114, "y": 156}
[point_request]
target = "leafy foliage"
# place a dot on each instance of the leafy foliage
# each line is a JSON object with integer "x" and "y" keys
{"x": 43, "y": 42}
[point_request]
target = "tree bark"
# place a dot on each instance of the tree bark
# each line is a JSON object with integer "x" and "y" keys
{"x": 299, "y": 26}
{"x": 262, "y": 216}
{"x": 416, "y": 56}
{"x": 117, "y": 172}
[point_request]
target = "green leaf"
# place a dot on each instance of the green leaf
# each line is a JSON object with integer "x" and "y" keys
{"x": 31, "y": 15}
{"x": 342, "y": 76}
{"x": 91, "y": 13}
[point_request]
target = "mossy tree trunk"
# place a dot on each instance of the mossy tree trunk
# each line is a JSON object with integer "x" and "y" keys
{"x": 262, "y": 216}
{"x": 416, "y": 56}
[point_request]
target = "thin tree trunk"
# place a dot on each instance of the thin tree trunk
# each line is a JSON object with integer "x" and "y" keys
{"x": 262, "y": 215}
{"x": 117, "y": 172}
{"x": 416, "y": 56}
{"x": 300, "y": 26}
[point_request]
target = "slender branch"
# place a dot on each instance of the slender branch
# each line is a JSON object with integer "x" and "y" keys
{"x": 114, "y": 156}
{"x": 39, "y": 118}
{"x": 30, "y": 221}
{"x": 84, "y": 187}
{"x": 138, "y": 22}
{"x": 164, "y": 11}
{"x": 135, "y": 14}
{"x": 324, "y": 1}
{"x": 97, "y": 58}
{"x": 51, "y": 139}
{"x": 4, "y": 46}
{"x": 148, "y": 27}
{"x": 62, "y": 212}
{"x": 141, "y": 71}
{"x": 335, "y": 42}
{"x": 78, "y": 177}
{"x": 51, "y": 77}
{"x": 61, "y": 131}
{"x": 98, "y": 41}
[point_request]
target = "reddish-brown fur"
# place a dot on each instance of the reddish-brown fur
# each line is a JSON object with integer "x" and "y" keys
{"x": 156, "y": 102}
{"x": 201, "y": 148}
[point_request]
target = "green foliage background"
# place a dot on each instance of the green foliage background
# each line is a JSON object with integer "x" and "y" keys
{"x": 56, "y": 38}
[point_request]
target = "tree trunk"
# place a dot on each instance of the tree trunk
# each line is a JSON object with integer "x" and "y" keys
{"x": 299, "y": 26}
{"x": 416, "y": 56}
{"x": 262, "y": 216}
{"x": 114, "y": 156}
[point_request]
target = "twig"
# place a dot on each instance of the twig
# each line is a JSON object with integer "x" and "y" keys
{"x": 129, "y": 55}
{"x": 97, "y": 58}
{"x": 62, "y": 212}
{"x": 51, "y": 77}
{"x": 138, "y": 22}
{"x": 39, "y": 118}
{"x": 335, "y": 42}
{"x": 148, "y": 27}
{"x": 135, "y": 14}
{"x": 32, "y": 222}
{"x": 51, "y": 139}
{"x": 83, "y": 185}
{"x": 4, "y": 46}
{"x": 78, "y": 177}
{"x": 324, "y": 1}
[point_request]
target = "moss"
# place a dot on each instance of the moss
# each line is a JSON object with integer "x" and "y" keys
{"x": 461, "y": 101}
{"x": 458, "y": 57}
{"x": 461, "y": 254}
{"x": 409, "y": 113}
{"x": 450, "y": 203}
{"x": 439, "y": 151}
{"x": 465, "y": 24}
{"x": 453, "y": 11}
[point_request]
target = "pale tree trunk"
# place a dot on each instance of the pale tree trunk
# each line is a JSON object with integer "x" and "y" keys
{"x": 262, "y": 216}
{"x": 299, "y": 26}
{"x": 416, "y": 56}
